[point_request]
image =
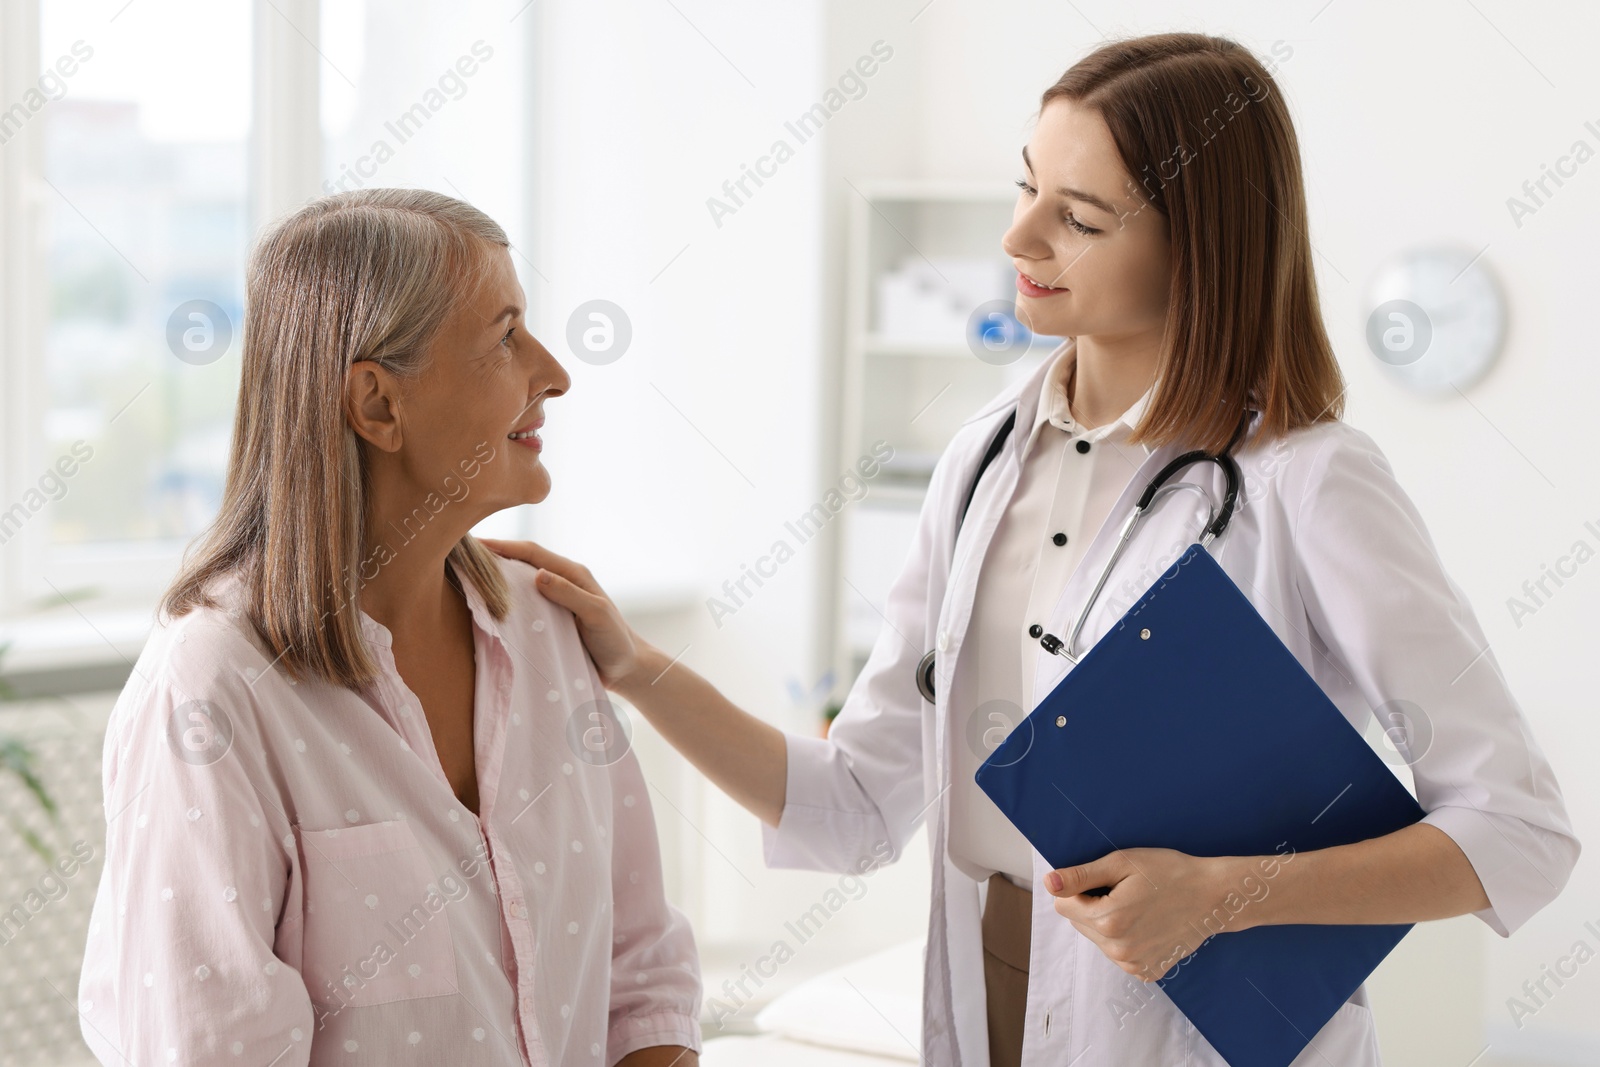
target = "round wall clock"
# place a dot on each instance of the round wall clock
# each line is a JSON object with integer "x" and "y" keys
{"x": 1435, "y": 319}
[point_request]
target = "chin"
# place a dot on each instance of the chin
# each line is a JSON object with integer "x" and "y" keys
{"x": 525, "y": 490}
{"x": 537, "y": 491}
{"x": 1046, "y": 325}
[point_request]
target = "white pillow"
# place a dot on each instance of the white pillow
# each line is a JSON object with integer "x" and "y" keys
{"x": 872, "y": 1005}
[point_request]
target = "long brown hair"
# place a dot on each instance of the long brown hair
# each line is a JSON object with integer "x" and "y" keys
{"x": 365, "y": 275}
{"x": 1203, "y": 129}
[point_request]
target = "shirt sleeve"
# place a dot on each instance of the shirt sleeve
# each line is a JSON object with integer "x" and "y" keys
{"x": 179, "y": 965}
{"x": 1378, "y": 596}
{"x": 655, "y": 969}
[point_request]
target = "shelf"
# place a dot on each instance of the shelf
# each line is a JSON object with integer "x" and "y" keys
{"x": 916, "y": 386}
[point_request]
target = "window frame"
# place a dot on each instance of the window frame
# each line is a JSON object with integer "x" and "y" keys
{"x": 284, "y": 165}
{"x": 283, "y": 170}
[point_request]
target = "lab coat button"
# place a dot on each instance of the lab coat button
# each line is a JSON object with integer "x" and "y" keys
{"x": 1059, "y": 539}
{"x": 944, "y": 641}
{"x": 1035, "y": 630}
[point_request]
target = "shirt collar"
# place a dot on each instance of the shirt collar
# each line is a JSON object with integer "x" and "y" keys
{"x": 1053, "y": 408}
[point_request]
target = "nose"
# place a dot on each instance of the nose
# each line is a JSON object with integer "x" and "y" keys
{"x": 547, "y": 369}
{"x": 1024, "y": 238}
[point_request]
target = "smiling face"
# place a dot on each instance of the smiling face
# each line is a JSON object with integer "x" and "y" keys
{"x": 463, "y": 427}
{"x": 1092, "y": 254}
{"x": 482, "y": 391}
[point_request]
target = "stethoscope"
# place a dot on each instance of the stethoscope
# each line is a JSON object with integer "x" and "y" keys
{"x": 1154, "y": 490}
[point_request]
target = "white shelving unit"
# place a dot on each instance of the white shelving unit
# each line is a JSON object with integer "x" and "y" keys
{"x": 907, "y": 379}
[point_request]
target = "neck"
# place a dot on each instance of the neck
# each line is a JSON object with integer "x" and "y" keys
{"x": 410, "y": 594}
{"x": 1109, "y": 374}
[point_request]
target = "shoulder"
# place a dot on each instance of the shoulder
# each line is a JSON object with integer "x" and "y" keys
{"x": 529, "y": 612}
{"x": 1330, "y": 469}
{"x": 1292, "y": 465}
{"x": 543, "y": 635}
{"x": 214, "y": 642}
{"x": 210, "y": 656}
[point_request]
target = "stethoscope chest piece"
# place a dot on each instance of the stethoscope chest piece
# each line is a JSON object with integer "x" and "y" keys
{"x": 925, "y": 677}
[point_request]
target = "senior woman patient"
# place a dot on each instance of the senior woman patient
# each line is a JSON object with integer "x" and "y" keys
{"x": 347, "y": 821}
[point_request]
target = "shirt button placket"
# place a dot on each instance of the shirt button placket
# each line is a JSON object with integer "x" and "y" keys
{"x": 521, "y": 941}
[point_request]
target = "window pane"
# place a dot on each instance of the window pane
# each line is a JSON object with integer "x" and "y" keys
{"x": 143, "y": 224}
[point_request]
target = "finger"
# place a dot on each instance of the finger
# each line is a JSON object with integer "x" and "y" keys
{"x": 569, "y": 595}
{"x": 544, "y": 559}
{"x": 1071, "y": 881}
{"x": 527, "y": 551}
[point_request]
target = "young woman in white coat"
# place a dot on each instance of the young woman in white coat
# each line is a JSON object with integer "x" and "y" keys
{"x": 1161, "y": 226}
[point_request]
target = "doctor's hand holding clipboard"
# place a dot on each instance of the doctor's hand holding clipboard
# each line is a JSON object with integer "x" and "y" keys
{"x": 1182, "y": 277}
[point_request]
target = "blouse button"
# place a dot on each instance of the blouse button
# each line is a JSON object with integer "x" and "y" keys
{"x": 1083, "y": 446}
{"x": 1059, "y": 539}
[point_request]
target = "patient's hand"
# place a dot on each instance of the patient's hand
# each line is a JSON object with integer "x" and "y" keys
{"x": 611, "y": 642}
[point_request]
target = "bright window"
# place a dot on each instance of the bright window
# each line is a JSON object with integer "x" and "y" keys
{"x": 142, "y": 234}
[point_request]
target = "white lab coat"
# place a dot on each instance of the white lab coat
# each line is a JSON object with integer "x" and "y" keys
{"x": 1334, "y": 555}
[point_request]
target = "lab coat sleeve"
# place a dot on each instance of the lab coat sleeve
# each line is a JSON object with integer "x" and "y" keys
{"x": 854, "y": 798}
{"x": 1377, "y": 595}
{"x": 655, "y": 969}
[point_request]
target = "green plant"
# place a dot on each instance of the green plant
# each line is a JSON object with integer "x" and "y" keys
{"x": 18, "y": 759}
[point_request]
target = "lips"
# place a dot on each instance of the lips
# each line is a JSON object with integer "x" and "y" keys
{"x": 528, "y": 435}
{"x": 1028, "y": 287}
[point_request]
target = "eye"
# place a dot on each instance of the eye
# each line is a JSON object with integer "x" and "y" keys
{"x": 1069, "y": 219}
{"x": 507, "y": 337}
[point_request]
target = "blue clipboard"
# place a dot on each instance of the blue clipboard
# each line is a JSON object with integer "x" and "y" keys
{"x": 1240, "y": 754}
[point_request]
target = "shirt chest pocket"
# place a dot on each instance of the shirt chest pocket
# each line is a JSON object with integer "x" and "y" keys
{"x": 376, "y": 928}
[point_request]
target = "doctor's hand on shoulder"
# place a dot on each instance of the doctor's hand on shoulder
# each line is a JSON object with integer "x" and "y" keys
{"x": 745, "y": 756}
{"x": 1161, "y": 907}
{"x": 615, "y": 648}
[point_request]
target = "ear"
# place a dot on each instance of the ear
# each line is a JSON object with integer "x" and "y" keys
{"x": 372, "y": 404}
